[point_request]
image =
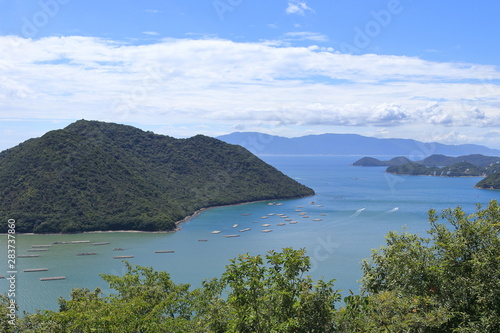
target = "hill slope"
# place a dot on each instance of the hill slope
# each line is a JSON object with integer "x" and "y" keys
{"x": 347, "y": 144}
{"x": 103, "y": 176}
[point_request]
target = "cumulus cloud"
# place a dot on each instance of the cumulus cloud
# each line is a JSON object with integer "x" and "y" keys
{"x": 214, "y": 81}
{"x": 298, "y": 7}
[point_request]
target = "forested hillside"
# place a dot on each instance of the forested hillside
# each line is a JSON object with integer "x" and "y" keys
{"x": 103, "y": 176}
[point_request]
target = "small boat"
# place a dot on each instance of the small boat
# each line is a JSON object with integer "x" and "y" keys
{"x": 270, "y": 204}
{"x": 86, "y": 254}
{"x": 279, "y": 204}
{"x": 293, "y": 222}
{"x": 246, "y": 214}
{"x": 266, "y": 225}
{"x": 323, "y": 214}
{"x": 235, "y": 225}
{"x": 52, "y": 278}
{"x": 288, "y": 219}
{"x": 305, "y": 216}
{"x": 303, "y": 213}
{"x": 243, "y": 230}
{"x": 317, "y": 220}
{"x": 216, "y": 232}
{"x": 35, "y": 270}
{"x": 264, "y": 217}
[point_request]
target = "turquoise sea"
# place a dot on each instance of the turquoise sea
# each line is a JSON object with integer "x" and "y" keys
{"x": 353, "y": 210}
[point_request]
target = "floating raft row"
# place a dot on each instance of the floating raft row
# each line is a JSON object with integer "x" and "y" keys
{"x": 165, "y": 251}
{"x": 122, "y": 257}
{"x": 52, "y": 278}
{"x": 281, "y": 224}
{"x": 216, "y": 232}
{"x": 28, "y": 256}
{"x": 243, "y": 230}
{"x": 118, "y": 249}
{"x": 246, "y": 214}
{"x": 231, "y": 236}
{"x": 40, "y": 246}
{"x": 35, "y": 270}
{"x": 71, "y": 242}
{"x": 266, "y": 225}
{"x": 2, "y": 276}
{"x": 202, "y": 240}
{"x": 86, "y": 254}
{"x": 36, "y": 250}
{"x": 101, "y": 243}
{"x": 266, "y": 230}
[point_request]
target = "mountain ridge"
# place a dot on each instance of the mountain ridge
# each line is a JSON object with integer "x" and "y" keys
{"x": 347, "y": 144}
{"x": 93, "y": 176}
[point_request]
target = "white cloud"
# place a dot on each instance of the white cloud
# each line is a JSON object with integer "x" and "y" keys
{"x": 306, "y": 35}
{"x": 298, "y": 7}
{"x": 151, "y": 33}
{"x": 177, "y": 82}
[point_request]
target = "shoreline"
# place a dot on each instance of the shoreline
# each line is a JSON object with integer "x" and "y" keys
{"x": 177, "y": 223}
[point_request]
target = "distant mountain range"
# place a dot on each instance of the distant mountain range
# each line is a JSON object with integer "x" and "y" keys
{"x": 102, "y": 176}
{"x": 348, "y": 144}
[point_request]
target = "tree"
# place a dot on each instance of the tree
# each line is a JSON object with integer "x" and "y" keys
{"x": 274, "y": 296}
{"x": 458, "y": 267}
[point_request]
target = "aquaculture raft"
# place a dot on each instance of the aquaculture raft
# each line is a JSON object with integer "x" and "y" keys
{"x": 53, "y": 278}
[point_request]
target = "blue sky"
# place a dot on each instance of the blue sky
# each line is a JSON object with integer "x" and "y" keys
{"x": 426, "y": 70}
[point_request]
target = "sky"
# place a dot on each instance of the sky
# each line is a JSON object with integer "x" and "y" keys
{"x": 420, "y": 69}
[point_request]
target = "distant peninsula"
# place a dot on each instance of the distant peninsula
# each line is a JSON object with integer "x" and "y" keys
{"x": 445, "y": 166}
{"x": 95, "y": 176}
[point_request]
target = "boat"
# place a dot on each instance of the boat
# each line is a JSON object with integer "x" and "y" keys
{"x": 317, "y": 220}
{"x": 266, "y": 225}
{"x": 202, "y": 240}
{"x": 86, "y": 254}
{"x": 235, "y": 225}
{"x": 246, "y": 214}
{"x": 293, "y": 222}
{"x": 52, "y": 278}
{"x": 305, "y": 216}
{"x": 35, "y": 270}
{"x": 264, "y": 217}
{"x": 216, "y": 232}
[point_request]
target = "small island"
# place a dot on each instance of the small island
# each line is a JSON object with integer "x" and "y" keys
{"x": 475, "y": 165}
{"x": 96, "y": 176}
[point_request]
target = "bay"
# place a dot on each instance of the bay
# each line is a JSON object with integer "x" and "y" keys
{"x": 353, "y": 210}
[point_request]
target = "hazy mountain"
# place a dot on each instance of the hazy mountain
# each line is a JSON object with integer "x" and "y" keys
{"x": 103, "y": 176}
{"x": 348, "y": 144}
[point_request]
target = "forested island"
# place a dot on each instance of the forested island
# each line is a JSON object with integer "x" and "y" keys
{"x": 475, "y": 165}
{"x": 94, "y": 176}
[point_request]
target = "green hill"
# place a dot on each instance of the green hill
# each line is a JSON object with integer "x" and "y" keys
{"x": 492, "y": 182}
{"x": 103, "y": 176}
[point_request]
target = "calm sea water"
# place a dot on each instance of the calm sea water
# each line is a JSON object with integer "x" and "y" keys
{"x": 356, "y": 207}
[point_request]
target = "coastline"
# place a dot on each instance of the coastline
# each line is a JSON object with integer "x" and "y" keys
{"x": 177, "y": 223}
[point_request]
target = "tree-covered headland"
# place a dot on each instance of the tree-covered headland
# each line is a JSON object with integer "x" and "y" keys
{"x": 446, "y": 282}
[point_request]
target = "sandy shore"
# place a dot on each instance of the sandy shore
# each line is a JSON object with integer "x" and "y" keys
{"x": 178, "y": 223}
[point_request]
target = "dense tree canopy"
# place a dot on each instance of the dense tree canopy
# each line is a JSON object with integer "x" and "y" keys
{"x": 103, "y": 176}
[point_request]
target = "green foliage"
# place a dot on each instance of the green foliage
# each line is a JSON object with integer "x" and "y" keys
{"x": 448, "y": 282}
{"x": 272, "y": 297}
{"x": 458, "y": 267}
{"x": 491, "y": 182}
{"x": 103, "y": 176}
